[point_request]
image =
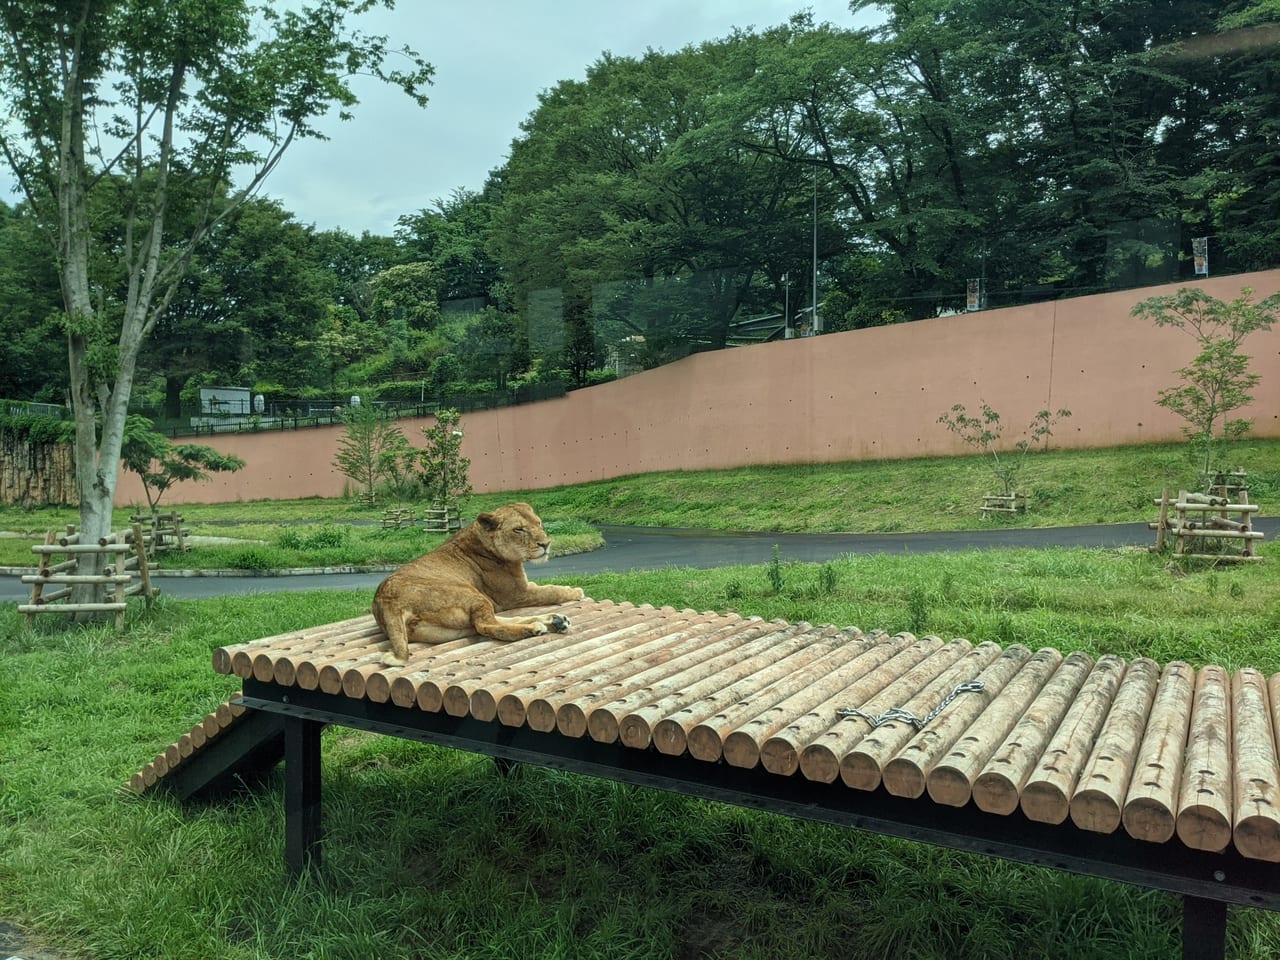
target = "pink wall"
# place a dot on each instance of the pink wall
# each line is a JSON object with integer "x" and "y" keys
{"x": 867, "y": 394}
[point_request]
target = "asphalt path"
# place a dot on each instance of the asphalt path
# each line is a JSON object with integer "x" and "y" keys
{"x": 650, "y": 548}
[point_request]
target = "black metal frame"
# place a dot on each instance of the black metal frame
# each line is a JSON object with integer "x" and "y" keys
{"x": 1208, "y": 882}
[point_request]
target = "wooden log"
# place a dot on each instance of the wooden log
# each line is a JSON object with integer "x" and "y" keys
{"x": 536, "y": 703}
{"x": 951, "y": 780}
{"x": 1256, "y": 820}
{"x": 507, "y": 695}
{"x": 1046, "y": 796}
{"x": 70, "y": 607}
{"x": 604, "y": 719}
{"x": 144, "y": 570}
{"x": 638, "y": 728}
{"x": 1151, "y": 802}
{"x": 815, "y": 742}
{"x": 405, "y": 685}
{"x": 706, "y": 738}
{"x": 76, "y": 578}
{"x": 522, "y": 656}
{"x": 331, "y": 674}
{"x": 792, "y": 723}
{"x": 224, "y": 658}
{"x": 863, "y": 767}
{"x": 472, "y": 656}
{"x": 906, "y": 775}
{"x": 572, "y": 714}
{"x": 1200, "y": 533}
{"x": 306, "y": 665}
{"x": 1205, "y": 796}
{"x": 1098, "y": 799}
{"x": 308, "y": 648}
{"x": 997, "y": 787}
{"x": 79, "y": 548}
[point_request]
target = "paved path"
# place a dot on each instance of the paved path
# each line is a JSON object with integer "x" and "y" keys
{"x": 649, "y": 548}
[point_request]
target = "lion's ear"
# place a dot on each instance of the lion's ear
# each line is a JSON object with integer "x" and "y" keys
{"x": 488, "y": 521}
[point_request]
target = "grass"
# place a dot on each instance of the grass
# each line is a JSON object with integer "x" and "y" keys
{"x": 441, "y": 857}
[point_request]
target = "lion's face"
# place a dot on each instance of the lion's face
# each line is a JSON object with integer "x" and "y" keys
{"x": 514, "y": 532}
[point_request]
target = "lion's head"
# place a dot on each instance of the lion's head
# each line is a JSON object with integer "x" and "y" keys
{"x": 513, "y": 532}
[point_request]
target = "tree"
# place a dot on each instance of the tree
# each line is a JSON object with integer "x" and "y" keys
{"x": 1218, "y": 381}
{"x": 983, "y": 432}
{"x": 160, "y": 463}
{"x": 166, "y": 104}
{"x": 441, "y": 464}
{"x": 370, "y": 448}
{"x": 35, "y": 365}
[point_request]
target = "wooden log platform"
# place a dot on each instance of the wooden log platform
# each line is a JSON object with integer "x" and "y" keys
{"x": 1106, "y": 743}
{"x": 1164, "y": 776}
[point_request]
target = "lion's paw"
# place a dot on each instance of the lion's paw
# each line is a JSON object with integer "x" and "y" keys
{"x": 559, "y": 624}
{"x": 389, "y": 659}
{"x": 577, "y": 593}
{"x": 536, "y": 629}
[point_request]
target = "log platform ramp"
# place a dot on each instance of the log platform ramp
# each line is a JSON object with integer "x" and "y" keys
{"x": 1164, "y": 776}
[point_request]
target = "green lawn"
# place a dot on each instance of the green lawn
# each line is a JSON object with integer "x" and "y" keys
{"x": 435, "y": 855}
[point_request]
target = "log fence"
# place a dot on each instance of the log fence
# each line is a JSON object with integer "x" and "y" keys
{"x": 161, "y": 531}
{"x": 1004, "y": 503}
{"x": 442, "y": 518}
{"x": 126, "y": 573}
{"x": 1195, "y": 520}
{"x": 393, "y": 518}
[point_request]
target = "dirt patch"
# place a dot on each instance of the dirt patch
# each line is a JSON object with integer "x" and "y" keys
{"x": 17, "y": 944}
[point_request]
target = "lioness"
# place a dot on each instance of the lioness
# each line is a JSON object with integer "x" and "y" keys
{"x": 457, "y": 588}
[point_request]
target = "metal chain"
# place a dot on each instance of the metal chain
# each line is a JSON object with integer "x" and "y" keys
{"x": 897, "y": 713}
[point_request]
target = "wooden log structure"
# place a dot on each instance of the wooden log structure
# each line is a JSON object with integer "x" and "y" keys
{"x": 127, "y": 574}
{"x": 1163, "y": 776}
{"x": 1193, "y": 518}
{"x": 393, "y": 518}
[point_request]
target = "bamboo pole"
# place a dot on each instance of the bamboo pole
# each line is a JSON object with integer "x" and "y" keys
{"x": 1152, "y": 798}
{"x": 996, "y": 789}
{"x": 862, "y": 766}
{"x": 815, "y": 742}
{"x": 1047, "y": 793}
{"x": 1098, "y": 798}
{"x": 1257, "y": 821}
{"x": 1205, "y": 798}
{"x": 950, "y": 782}
{"x": 906, "y": 774}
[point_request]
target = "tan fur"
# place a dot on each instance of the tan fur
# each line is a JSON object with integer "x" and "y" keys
{"x": 457, "y": 588}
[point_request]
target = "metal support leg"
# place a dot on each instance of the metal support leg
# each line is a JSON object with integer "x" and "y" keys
{"x": 1204, "y": 929}
{"x": 302, "y": 828}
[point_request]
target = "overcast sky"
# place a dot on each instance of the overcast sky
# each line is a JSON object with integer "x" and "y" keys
{"x": 492, "y": 59}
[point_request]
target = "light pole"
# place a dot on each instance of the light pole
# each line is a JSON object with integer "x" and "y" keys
{"x": 788, "y": 331}
{"x": 817, "y": 321}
